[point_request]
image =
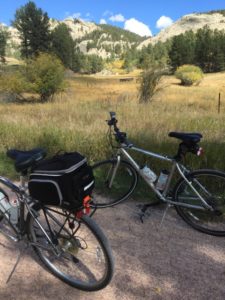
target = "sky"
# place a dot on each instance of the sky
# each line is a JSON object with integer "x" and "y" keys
{"x": 144, "y": 17}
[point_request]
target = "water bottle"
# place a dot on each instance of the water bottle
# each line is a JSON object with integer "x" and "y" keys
{"x": 148, "y": 174}
{"x": 10, "y": 207}
{"x": 162, "y": 180}
{"x": 14, "y": 210}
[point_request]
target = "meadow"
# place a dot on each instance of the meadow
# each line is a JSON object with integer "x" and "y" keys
{"x": 75, "y": 121}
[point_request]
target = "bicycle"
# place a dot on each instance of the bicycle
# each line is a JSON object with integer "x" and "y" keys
{"x": 69, "y": 243}
{"x": 198, "y": 196}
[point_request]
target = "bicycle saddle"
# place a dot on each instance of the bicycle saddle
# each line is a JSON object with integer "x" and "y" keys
{"x": 25, "y": 159}
{"x": 186, "y": 137}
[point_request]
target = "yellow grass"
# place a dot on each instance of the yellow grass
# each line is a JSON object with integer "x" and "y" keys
{"x": 76, "y": 120}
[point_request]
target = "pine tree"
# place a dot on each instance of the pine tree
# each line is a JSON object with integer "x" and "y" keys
{"x": 182, "y": 50}
{"x": 63, "y": 44}
{"x": 204, "y": 54}
{"x": 33, "y": 26}
{"x": 3, "y": 42}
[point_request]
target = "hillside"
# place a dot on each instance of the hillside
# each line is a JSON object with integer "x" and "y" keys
{"x": 214, "y": 20}
{"x": 91, "y": 38}
{"x": 108, "y": 40}
{"x": 111, "y": 41}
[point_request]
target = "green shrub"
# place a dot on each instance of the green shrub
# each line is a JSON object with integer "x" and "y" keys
{"x": 14, "y": 84}
{"x": 150, "y": 84}
{"x": 43, "y": 75}
{"x": 189, "y": 74}
{"x": 46, "y": 73}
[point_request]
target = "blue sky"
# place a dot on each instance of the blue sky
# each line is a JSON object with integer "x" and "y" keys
{"x": 141, "y": 16}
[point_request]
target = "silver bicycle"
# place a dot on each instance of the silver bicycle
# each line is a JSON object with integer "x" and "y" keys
{"x": 198, "y": 196}
{"x": 69, "y": 243}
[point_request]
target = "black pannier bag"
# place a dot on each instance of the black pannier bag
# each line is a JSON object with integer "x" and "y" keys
{"x": 63, "y": 180}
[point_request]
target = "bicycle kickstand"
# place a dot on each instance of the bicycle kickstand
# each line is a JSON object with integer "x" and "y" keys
{"x": 164, "y": 214}
{"x": 16, "y": 263}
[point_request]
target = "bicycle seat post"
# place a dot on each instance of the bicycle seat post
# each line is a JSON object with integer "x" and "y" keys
{"x": 23, "y": 176}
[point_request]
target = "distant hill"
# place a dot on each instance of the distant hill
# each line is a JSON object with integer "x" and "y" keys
{"x": 107, "y": 40}
{"x": 103, "y": 40}
{"x": 213, "y": 19}
{"x": 111, "y": 41}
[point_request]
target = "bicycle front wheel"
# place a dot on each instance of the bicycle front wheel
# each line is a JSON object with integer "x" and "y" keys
{"x": 210, "y": 184}
{"x": 76, "y": 250}
{"x": 114, "y": 182}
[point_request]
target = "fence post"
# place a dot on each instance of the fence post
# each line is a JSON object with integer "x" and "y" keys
{"x": 219, "y": 103}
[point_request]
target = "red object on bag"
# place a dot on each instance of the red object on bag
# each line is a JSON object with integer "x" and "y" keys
{"x": 86, "y": 205}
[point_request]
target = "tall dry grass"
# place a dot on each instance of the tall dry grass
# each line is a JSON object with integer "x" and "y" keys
{"x": 76, "y": 120}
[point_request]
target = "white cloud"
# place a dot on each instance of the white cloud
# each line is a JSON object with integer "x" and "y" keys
{"x": 137, "y": 27}
{"x": 102, "y": 21}
{"x": 164, "y": 22}
{"x": 117, "y": 18}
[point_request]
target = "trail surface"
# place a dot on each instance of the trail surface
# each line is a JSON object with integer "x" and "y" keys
{"x": 171, "y": 261}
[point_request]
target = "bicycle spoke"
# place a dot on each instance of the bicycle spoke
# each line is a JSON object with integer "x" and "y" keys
{"x": 79, "y": 259}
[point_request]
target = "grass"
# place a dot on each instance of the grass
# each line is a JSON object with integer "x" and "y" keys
{"x": 76, "y": 120}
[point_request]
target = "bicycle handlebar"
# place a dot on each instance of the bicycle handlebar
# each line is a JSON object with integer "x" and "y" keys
{"x": 121, "y": 137}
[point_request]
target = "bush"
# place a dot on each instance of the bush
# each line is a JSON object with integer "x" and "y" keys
{"x": 43, "y": 75}
{"x": 46, "y": 73}
{"x": 14, "y": 84}
{"x": 150, "y": 84}
{"x": 189, "y": 74}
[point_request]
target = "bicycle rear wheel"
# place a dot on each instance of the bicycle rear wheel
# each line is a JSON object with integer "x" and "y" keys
{"x": 211, "y": 186}
{"x": 83, "y": 259}
{"x": 113, "y": 184}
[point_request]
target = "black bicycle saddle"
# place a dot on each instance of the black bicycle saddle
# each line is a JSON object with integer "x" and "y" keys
{"x": 26, "y": 159}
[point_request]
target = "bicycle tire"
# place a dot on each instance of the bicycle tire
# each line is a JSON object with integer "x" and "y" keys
{"x": 124, "y": 182}
{"x": 206, "y": 221}
{"x": 91, "y": 264}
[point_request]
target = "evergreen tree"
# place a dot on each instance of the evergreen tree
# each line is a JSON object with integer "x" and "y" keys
{"x": 219, "y": 51}
{"x": 205, "y": 49}
{"x": 63, "y": 44}
{"x": 3, "y": 42}
{"x": 182, "y": 50}
{"x": 33, "y": 26}
{"x": 78, "y": 61}
{"x": 146, "y": 59}
{"x": 118, "y": 49}
{"x": 96, "y": 63}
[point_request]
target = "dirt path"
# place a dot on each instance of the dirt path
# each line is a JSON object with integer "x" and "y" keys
{"x": 151, "y": 262}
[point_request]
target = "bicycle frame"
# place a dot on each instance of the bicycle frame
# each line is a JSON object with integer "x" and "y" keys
{"x": 122, "y": 151}
{"x": 25, "y": 201}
